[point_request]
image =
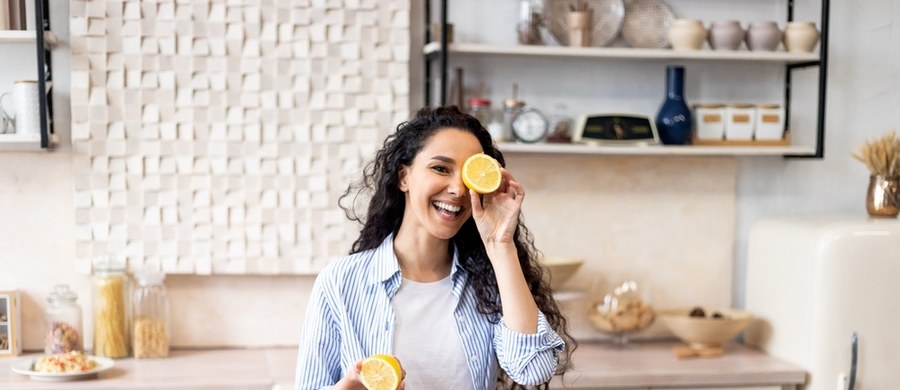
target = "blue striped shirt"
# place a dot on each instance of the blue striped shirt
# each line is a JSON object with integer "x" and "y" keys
{"x": 349, "y": 317}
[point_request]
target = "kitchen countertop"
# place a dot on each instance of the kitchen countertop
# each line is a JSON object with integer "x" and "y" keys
{"x": 639, "y": 365}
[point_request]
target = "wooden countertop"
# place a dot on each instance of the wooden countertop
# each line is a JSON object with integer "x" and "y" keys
{"x": 654, "y": 364}
{"x": 596, "y": 366}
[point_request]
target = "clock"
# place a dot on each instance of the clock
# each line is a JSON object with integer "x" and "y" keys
{"x": 623, "y": 129}
{"x": 530, "y": 125}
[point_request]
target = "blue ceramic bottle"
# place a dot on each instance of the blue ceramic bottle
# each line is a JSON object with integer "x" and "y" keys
{"x": 674, "y": 118}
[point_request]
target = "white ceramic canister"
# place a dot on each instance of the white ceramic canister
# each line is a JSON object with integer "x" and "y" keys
{"x": 763, "y": 36}
{"x": 769, "y": 122}
{"x": 800, "y": 37}
{"x": 710, "y": 121}
{"x": 687, "y": 34}
{"x": 725, "y": 35}
{"x": 740, "y": 121}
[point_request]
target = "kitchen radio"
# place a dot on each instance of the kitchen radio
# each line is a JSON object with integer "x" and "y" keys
{"x": 628, "y": 129}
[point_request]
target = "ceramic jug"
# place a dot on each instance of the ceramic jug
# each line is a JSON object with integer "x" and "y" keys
{"x": 763, "y": 36}
{"x": 725, "y": 35}
{"x": 800, "y": 37}
{"x": 687, "y": 34}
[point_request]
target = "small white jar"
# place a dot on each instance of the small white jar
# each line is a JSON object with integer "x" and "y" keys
{"x": 687, "y": 34}
{"x": 740, "y": 121}
{"x": 710, "y": 121}
{"x": 800, "y": 37}
{"x": 725, "y": 35}
{"x": 769, "y": 122}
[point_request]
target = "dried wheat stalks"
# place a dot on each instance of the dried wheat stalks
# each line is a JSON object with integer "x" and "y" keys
{"x": 881, "y": 156}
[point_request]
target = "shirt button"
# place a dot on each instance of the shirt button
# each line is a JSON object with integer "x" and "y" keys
{"x": 474, "y": 358}
{"x": 462, "y": 317}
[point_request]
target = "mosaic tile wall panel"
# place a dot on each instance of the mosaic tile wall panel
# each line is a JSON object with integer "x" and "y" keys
{"x": 215, "y": 137}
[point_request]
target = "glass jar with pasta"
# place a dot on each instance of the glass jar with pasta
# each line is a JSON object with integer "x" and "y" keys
{"x": 111, "y": 309}
{"x": 150, "y": 332}
{"x": 63, "y": 319}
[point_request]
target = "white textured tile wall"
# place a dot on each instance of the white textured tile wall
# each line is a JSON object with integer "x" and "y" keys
{"x": 215, "y": 137}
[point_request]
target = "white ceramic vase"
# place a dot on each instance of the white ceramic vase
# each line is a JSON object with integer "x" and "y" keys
{"x": 687, "y": 34}
{"x": 800, "y": 37}
{"x": 763, "y": 36}
{"x": 725, "y": 35}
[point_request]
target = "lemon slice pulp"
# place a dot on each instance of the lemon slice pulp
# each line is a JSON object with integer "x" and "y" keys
{"x": 482, "y": 173}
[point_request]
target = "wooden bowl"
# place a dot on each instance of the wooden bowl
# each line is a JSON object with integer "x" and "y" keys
{"x": 559, "y": 270}
{"x": 705, "y": 332}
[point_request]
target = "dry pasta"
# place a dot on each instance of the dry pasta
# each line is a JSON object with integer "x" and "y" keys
{"x": 150, "y": 338}
{"x": 65, "y": 362}
{"x": 110, "y": 317}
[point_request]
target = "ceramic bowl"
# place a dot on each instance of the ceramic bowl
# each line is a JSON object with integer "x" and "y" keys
{"x": 559, "y": 270}
{"x": 707, "y": 331}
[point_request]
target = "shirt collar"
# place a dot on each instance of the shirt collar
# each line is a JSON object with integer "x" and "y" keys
{"x": 385, "y": 266}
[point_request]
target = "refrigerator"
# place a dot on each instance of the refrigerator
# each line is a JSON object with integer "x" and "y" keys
{"x": 825, "y": 293}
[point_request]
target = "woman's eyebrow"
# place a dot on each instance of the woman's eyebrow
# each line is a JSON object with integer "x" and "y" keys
{"x": 445, "y": 159}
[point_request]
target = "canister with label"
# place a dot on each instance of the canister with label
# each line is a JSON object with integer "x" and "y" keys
{"x": 740, "y": 120}
{"x": 769, "y": 122}
{"x": 710, "y": 121}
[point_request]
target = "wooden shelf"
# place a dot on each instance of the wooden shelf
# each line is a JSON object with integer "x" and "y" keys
{"x": 780, "y": 57}
{"x": 26, "y": 37}
{"x": 653, "y": 150}
{"x": 17, "y": 36}
{"x": 18, "y": 143}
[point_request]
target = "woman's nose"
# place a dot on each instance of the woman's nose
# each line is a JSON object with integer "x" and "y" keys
{"x": 456, "y": 186}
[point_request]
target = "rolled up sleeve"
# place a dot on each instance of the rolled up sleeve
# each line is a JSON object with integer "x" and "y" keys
{"x": 528, "y": 359}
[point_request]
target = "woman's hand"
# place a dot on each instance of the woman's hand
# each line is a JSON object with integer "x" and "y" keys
{"x": 497, "y": 214}
{"x": 351, "y": 380}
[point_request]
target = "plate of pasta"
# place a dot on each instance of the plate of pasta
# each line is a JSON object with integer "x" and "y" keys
{"x": 63, "y": 367}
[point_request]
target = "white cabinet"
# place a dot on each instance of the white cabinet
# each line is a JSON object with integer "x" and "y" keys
{"x": 621, "y": 79}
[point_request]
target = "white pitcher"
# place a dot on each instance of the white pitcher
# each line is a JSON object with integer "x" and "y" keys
{"x": 26, "y": 117}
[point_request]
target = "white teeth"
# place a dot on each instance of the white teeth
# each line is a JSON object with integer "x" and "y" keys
{"x": 448, "y": 207}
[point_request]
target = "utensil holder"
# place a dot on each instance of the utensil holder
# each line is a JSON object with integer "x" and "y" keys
{"x": 579, "y": 23}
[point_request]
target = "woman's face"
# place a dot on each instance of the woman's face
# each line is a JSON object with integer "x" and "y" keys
{"x": 436, "y": 198}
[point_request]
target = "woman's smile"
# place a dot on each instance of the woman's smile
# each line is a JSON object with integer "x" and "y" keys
{"x": 447, "y": 210}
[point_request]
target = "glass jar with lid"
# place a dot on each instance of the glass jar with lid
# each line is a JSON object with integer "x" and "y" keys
{"x": 480, "y": 108}
{"x": 151, "y": 315}
{"x": 63, "y": 319}
{"x": 110, "y": 309}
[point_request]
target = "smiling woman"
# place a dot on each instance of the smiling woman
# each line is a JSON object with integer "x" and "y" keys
{"x": 435, "y": 258}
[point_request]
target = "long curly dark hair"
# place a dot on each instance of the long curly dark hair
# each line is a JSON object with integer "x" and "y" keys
{"x": 380, "y": 184}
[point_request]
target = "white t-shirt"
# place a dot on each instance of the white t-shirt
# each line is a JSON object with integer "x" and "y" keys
{"x": 426, "y": 339}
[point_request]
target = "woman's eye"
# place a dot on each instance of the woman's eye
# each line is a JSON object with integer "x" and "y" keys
{"x": 441, "y": 169}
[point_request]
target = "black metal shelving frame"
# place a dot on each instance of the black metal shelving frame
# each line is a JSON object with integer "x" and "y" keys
{"x": 822, "y": 64}
{"x": 42, "y": 24}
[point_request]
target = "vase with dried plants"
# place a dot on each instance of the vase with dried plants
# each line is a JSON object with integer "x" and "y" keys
{"x": 882, "y": 157}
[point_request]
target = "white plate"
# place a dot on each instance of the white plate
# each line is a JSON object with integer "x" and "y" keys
{"x": 606, "y": 18}
{"x": 26, "y": 367}
{"x": 646, "y": 24}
